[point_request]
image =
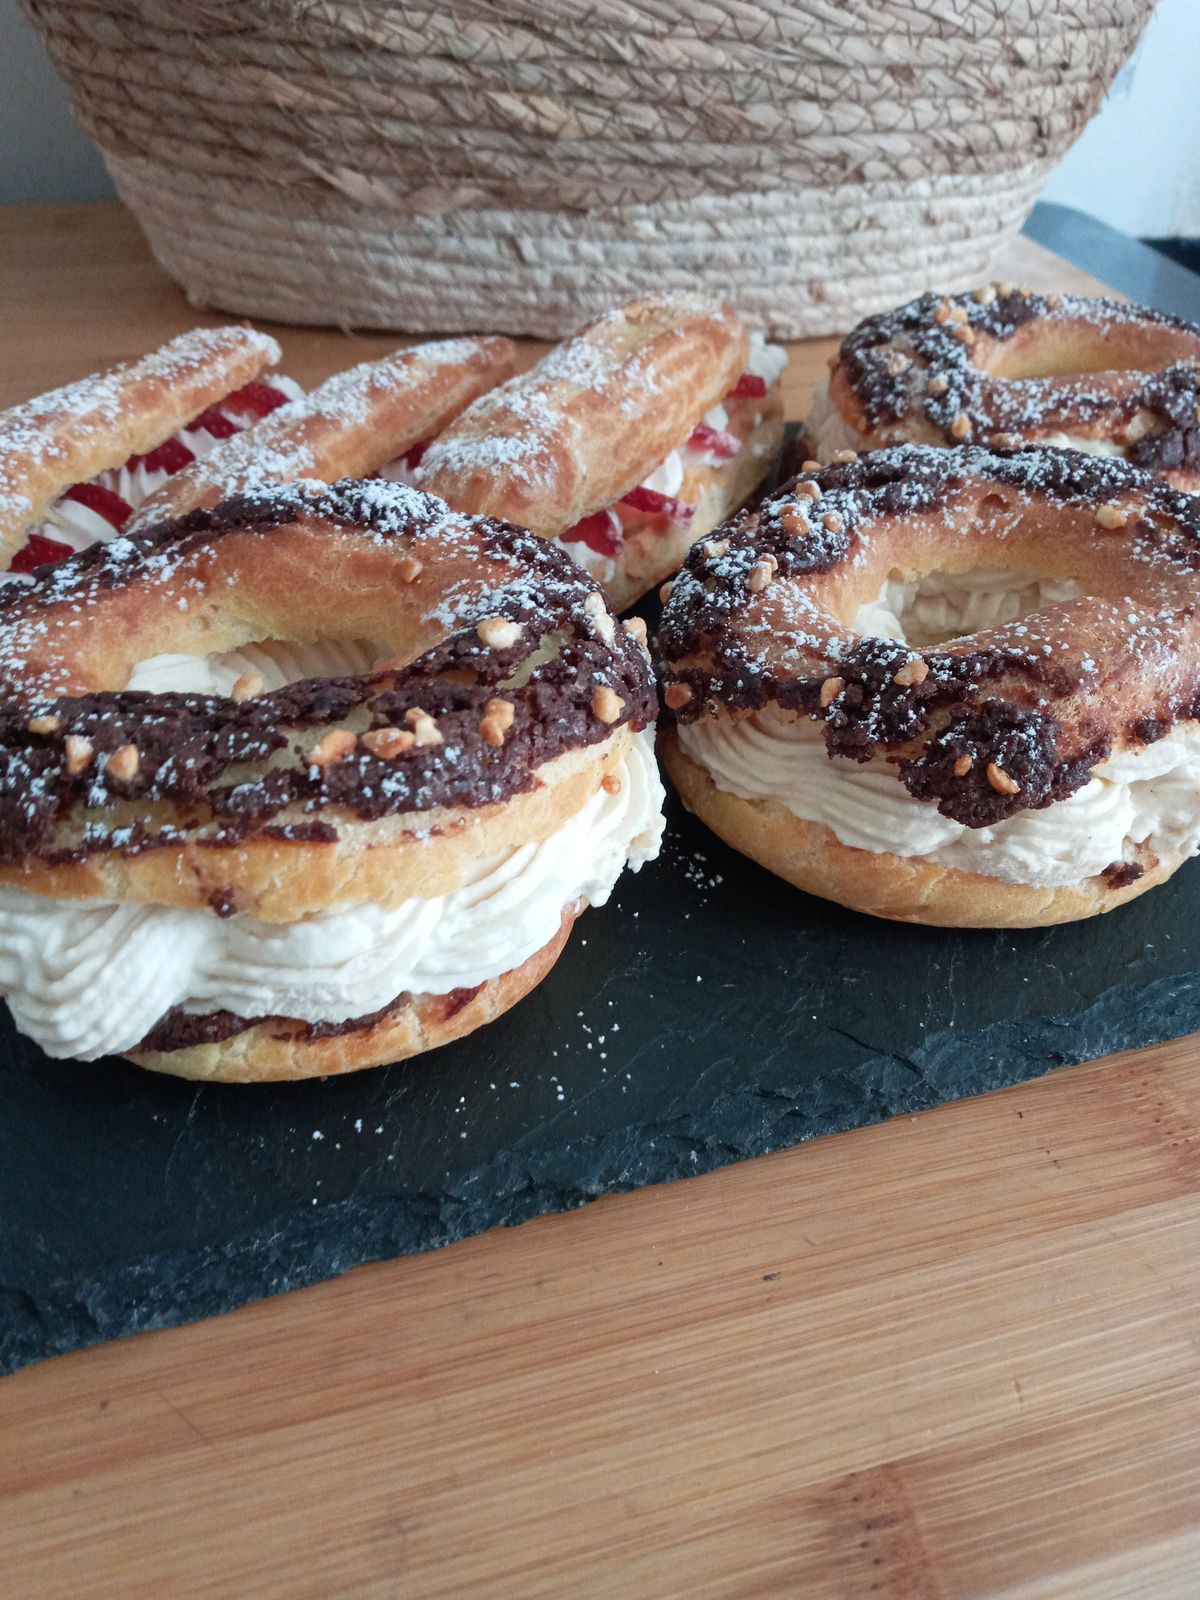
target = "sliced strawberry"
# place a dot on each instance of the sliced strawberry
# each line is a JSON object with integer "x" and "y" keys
{"x": 748, "y": 387}
{"x": 658, "y": 505}
{"x": 170, "y": 456}
{"x": 38, "y": 551}
{"x": 718, "y": 441}
{"x": 215, "y": 422}
{"x": 601, "y": 532}
{"x": 115, "y": 511}
{"x": 260, "y": 398}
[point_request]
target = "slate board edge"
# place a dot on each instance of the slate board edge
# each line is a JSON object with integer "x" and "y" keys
{"x": 298, "y": 1251}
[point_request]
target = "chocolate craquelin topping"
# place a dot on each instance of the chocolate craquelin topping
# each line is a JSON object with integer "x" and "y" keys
{"x": 1021, "y": 746}
{"x": 1120, "y": 874}
{"x": 183, "y": 1030}
{"x": 953, "y": 703}
{"x": 193, "y": 750}
{"x": 889, "y": 359}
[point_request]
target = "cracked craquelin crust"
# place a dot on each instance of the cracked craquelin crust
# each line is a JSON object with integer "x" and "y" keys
{"x": 221, "y": 1047}
{"x": 470, "y": 737}
{"x": 950, "y": 370}
{"x": 92, "y": 426}
{"x": 348, "y": 427}
{"x": 1007, "y": 719}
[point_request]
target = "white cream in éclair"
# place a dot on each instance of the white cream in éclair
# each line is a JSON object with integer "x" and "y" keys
{"x": 1146, "y": 794}
{"x": 829, "y": 432}
{"x": 92, "y": 978}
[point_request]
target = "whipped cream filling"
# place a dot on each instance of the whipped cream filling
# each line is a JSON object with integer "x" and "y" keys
{"x": 1145, "y": 795}
{"x": 79, "y": 526}
{"x": 941, "y": 606}
{"x": 830, "y": 432}
{"x": 278, "y": 662}
{"x": 88, "y": 978}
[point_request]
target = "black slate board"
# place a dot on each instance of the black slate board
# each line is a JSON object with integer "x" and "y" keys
{"x": 707, "y": 1014}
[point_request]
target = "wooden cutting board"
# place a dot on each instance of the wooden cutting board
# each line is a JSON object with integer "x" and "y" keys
{"x": 953, "y": 1355}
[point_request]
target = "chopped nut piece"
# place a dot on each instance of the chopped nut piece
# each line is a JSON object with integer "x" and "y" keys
{"x": 963, "y": 765}
{"x": 426, "y": 731}
{"x": 388, "y": 743}
{"x": 1112, "y": 517}
{"x": 123, "y": 763}
{"x": 1004, "y": 441}
{"x": 50, "y": 723}
{"x": 492, "y": 732}
{"x": 635, "y": 627}
{"x": 609, "y": 784}
{"x": 714, "y": 549}
{"x": 761, "y": 574}
{"x": 332, "y": 747}
{"x": 912, "y": 672}
{"x": 1005, "y": 286}
{"x": 811, "y": 466}
{"x": 938, "y": 384}
{"x": 677, "y": 694}
{"x": 794, "y": 523}
{"x": 607, "y": 705}
{"x": 79, "y": 752}
{"x": 833, "y": 521}
{"x": 958, "y": 314}
{"x": 247, "y": 686}
{"x": 830, "y": 689}
{"x": 664, "y": 593}
{"x": 960, "y": 428}
{"x": 942, "y": 313}
{"x": 812, "y": 490}
{"x": 843, "y": 458}
{"x": 985, "y": 295}
{"x": 409, "y": 569}
{"x": 498, "y": 633}
{"x": 503, "y": 711}
{"x": 897, "y": 362}
{"x": 965, "y": 333}
{"x": 1000, "y": 780}
{"x": 602, "y": 622}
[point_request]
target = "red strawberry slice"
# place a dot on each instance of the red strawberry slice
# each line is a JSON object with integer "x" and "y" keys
{"x": 215, "y": 422}
{"x": 719, "y": 441}
{"x": 38, "y": 551}
{"x": 260, "y": 398}
{"x": 748, "y": 387}
{"x": 170, "y": 456}
{"x": 115, "y": 511}
{"x": 601, "y": 532}
{"x": 658, "y": 505}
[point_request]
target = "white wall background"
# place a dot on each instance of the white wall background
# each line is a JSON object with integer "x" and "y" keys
{"x": 1136, "y": 167}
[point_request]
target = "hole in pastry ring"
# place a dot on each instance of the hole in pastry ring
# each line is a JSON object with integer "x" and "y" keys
{"x": 1007, "y": 368}
{"x": 283, "y": 804}
{"x": 759, "y": 615}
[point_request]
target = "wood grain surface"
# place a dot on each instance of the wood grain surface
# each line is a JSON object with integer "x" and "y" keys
{"x": 955, "y": 1355}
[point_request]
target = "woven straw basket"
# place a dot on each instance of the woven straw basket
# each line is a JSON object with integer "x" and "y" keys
{"x": 511, "y": 166}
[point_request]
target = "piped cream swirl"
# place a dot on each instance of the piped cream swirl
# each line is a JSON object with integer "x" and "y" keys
{"x": 87, "y": 978}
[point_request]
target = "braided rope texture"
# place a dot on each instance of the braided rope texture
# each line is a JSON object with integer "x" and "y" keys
{"x": 512, "y": 166}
